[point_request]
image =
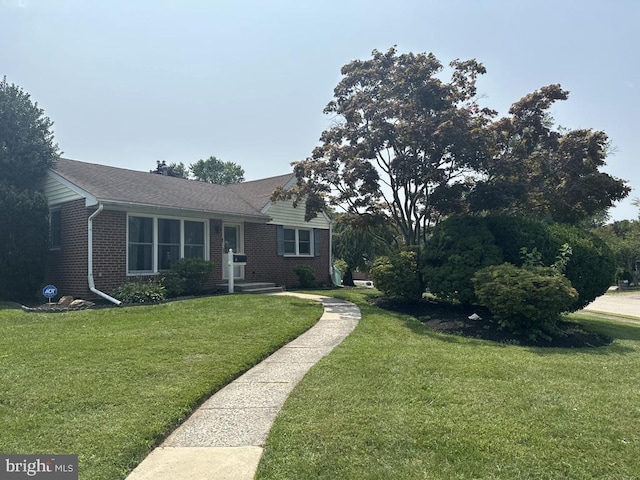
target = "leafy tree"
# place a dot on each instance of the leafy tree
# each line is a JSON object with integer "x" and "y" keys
{"x": 359, "y": 245}
{"x": 534, "y": 169}
{"x": 27, "y": 149}
{"x": 623, "y": 237}
{"x": 213, "y": 170}
{"x": 402, "y": 146}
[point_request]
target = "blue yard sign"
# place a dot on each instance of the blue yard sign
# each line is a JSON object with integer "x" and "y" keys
{"x": 50, "y": 291}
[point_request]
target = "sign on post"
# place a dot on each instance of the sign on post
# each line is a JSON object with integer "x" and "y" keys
{"x": 50, "y": 291}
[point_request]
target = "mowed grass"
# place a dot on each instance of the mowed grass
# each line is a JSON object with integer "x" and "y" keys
{"x": 110, "y": 384}
{"x": 398, "y": 401}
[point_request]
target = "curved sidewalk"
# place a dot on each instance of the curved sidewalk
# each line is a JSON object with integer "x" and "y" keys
{"x": 223, "y": 439}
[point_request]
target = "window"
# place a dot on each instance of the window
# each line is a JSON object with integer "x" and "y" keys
{"x": 55, "y": 229}
{"x": 168, "y": 243}
{"x": 193, "y": 239}
{"x": 140, "y": 244}
{"x": 298, "y": 241}
{"x": 156, "y": 244}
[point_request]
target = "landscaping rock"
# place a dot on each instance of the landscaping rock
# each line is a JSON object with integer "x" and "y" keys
{"x": 65, "y": 301}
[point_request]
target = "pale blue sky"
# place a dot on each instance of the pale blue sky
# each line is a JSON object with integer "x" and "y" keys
{"x": 131, "y": 82}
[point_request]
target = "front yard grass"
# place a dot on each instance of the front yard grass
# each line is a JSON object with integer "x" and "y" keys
{"x": 110, "y": 384}
{"x": 398, "y": 401}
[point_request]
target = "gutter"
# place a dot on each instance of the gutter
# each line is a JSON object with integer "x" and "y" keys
{"x": 92, "y": 285}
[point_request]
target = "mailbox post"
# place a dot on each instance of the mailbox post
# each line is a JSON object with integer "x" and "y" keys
{"x": 234, "y": 259}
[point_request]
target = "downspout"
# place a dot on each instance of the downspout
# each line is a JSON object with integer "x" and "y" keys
{"x": 92, "y": 285}
{"x": 331, "y": 249}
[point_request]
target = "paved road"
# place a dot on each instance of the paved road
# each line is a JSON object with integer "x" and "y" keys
{"x": 617, "y": 304}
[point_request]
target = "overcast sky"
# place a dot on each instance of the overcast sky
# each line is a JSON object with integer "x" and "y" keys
{"x": 127, "y": 83}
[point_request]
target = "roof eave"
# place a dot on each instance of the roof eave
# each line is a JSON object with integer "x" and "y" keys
{"x": 168, "y": 210}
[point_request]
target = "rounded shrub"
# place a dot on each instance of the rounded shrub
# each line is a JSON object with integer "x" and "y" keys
{"x": 397, "y": 276}
{"x": 189, "y": 276}
{"x": 592, "y": 266}
{"x": 306, "y": 276}
{"x": 524, "y": 300}
{"x": 457, "y": 249}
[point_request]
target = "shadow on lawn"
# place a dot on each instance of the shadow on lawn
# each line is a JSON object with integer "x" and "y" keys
{"x": 450, "y": 319}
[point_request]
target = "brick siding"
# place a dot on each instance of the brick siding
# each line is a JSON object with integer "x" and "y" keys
{"x": 265, "y": 265}
{"x": 67, "y": 267}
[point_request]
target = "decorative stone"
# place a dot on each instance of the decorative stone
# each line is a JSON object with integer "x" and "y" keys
{"x": 65, "y": 301}
{"x": 78, "y": 304}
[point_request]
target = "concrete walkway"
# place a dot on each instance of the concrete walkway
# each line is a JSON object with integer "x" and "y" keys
{"x": 224, "y": 438}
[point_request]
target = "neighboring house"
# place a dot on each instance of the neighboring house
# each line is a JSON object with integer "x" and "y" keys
{"x": 111, "y": 225}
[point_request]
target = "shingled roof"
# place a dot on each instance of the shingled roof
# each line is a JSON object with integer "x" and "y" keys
{"x": 258, "y": 192}
{"x": 112, "y": 185}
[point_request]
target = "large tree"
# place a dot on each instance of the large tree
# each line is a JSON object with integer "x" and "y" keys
{"x": 410, "y": 148}
{"x": 535, "y": 169}
{"x": 402, "y": 146}
{"x": 214, "y": 170}
{"x": 27, "y": 149}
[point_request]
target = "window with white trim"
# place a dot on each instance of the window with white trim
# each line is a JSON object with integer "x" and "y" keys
{"x": 296, "y": 241}
{"x": 157, "y": 243}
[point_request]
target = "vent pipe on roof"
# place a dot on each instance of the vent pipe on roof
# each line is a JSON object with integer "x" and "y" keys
{"x": 92, "y": 285}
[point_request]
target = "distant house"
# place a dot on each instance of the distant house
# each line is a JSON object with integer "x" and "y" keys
{"x": 111, "y": 225}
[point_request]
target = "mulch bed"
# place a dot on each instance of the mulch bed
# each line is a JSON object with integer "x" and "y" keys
{"x": 454, "y": 319}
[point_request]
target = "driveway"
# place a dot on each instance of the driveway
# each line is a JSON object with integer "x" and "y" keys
{"x": 626, "y": 304}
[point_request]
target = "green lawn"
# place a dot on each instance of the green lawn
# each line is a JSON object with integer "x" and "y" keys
{"x": 397, "y": 401}
{"x": 110, "y": 384}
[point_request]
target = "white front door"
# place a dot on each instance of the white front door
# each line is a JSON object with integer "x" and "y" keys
{"x": 232, "y": 238}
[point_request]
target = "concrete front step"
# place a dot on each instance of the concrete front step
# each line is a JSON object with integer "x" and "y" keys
{"x": 253, "y": 287}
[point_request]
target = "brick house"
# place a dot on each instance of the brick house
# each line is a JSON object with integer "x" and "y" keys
{"x": 111, "y": 225}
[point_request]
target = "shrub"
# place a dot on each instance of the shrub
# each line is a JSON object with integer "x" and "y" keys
{"x": 397, "y": 276}
{"x": 458, "y": 248}
{"x": 524, "y": 300}
{"x": 592, "y": 266}
{"x": 24, "y": 240}
{"x": 188, "y": 276}
{"x": 306, "y": 276}
{"x": 139, "y": 292}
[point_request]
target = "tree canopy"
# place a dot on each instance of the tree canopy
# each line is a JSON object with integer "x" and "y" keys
{"x": 410, "y": 148}
{"x": 27, "y": 147}
{"x": 213, "y": 170}
{"x": 550, "y": 173}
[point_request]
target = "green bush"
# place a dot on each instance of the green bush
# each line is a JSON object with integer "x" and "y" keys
{"x": 306, "y": 276}
{"x": 524, "y": 300}
{"x": 189, "y": 276}
{"x": 592, "y": 267}
{"x": 458, "y": 248}
{"x": 397, "y": 276}
{"x": 24, "y": 242}
{"x": 139, "y": 292}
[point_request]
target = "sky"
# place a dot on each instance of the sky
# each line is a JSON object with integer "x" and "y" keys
{"x": 128, "y": 83}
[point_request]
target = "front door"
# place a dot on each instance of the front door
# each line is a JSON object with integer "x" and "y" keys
{"x": 232, "y": 239}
